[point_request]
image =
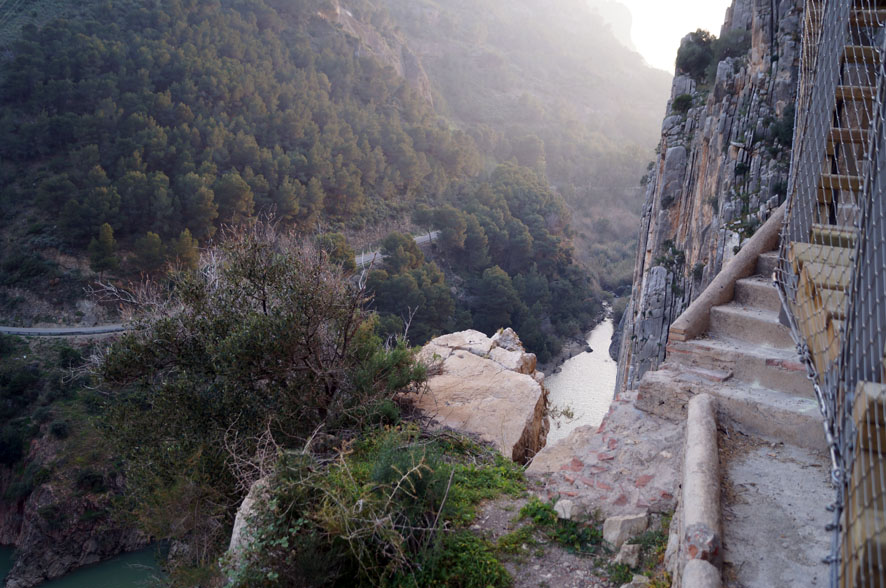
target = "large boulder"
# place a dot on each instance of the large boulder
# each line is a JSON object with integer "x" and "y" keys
{"x": 488, "y": 387}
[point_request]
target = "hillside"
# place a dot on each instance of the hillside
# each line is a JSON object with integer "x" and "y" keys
{"x": 549, "y": 85}
{"x": 135, "y": 135}
{"x": 344, "y": 117}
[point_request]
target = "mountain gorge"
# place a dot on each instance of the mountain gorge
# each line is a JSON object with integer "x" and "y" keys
{"x": 134, "y": 135}
{"x": 351, "y": 117}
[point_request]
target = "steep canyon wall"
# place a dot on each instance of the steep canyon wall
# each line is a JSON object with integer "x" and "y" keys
{"x": 721, "y": 167}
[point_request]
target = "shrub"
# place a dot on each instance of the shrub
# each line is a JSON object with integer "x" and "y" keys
{"x": 8, "y": 344}
{"x": 23, "y": 268}
{"x": 68, "y": 357}
{"x": 11, "y": 446}
{"x": 60, "y": 429}
{"x": 460, "y": 559}
{"x": 574, "y": 536}
{"x": 681, "y": 104}
{"x": 391, "y": 512}
{"x": 783, "y": 128}
{"x": 18, "y": 380}
{"x": 734, "y": 43}
{"x": 42, "y": 415}
{"x": 268, "y": 343}
{"x": 90, "y": 481}
{"x": 695, "y": 55}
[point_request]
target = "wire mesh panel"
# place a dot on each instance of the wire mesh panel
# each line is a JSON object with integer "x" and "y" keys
{"x": 832, "y": 267}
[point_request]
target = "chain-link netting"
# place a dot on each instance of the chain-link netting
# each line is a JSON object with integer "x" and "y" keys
{"x": 832, "y": 266}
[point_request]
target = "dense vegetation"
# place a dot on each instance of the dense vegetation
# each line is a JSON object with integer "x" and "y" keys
{"x": 187, "y": 114}
{"x": 267, "y": 345}
{"x": 137, "y": 132}
{"x": 547, "y": 86}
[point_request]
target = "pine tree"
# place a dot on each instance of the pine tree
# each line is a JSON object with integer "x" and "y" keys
{"x": 149, "y": 252}
{"x": 184, "y": 250}
{"x": 102, "y": 251}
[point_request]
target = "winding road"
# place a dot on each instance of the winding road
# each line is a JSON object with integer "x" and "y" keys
{"x": 362, "y": 260}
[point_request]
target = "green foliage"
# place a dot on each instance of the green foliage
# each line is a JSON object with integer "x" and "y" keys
{"x": 619, "y": 574}
{"x": 401, "y": 253}
{"x": 575, "y": 536}
{"x": 681, "y": 104}
{"x": 32, "y": 476}
{"x": 389, "y": 511}
{"x": 8, "y": 344}
{"x": 701, "y": 51}
{"x": 268, "y": 341}
{"x": 733, "y": 43}
{"x": 161, "y": 128}
{"x": 11, "y": 445}
{"x": 672, "y": 258}
{"x": 102, "y": 251}
{"x": 149, "y": 252}
{"x": 90, "y": 481}
{"x": 336, "y": 246}
{"x": 60, "y": 429}
{"x": 184, "y": 252}
{"x": 695, "y": 54}
{"x": 23, "y": 268}
{"x": 459, "y": 560}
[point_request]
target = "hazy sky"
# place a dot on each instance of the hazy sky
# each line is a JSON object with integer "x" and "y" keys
{"x": 660, "y": 24}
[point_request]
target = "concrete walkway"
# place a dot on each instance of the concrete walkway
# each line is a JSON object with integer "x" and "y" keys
{"x": 774, "y": 471}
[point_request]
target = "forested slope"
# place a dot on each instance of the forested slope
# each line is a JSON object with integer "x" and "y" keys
{"x": 167, "y": 121}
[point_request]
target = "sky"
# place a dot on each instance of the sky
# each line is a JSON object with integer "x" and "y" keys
{"x": 658, "y": 25}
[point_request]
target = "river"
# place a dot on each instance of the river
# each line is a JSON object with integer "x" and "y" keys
{"x": 584, "y": 385}
{"x": 138, "y": 569}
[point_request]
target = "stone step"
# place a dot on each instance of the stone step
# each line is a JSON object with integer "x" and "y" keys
{"x": 752, "y": 410}
{"x": 768, "y": 367}
{"x": 758, "y": 292}
{"x": 766, "y": 263}
{"x": 754, "y": 325}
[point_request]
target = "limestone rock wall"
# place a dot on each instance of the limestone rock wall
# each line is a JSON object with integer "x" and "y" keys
{"x": 487, "y": 386}
{"x": 718, "y": 173}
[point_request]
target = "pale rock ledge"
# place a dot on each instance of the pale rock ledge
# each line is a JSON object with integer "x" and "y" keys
{"x": 487, "y": 387}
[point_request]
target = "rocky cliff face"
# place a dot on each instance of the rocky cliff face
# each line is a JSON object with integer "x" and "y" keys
{"x": 63, "y": 522}
{"x": 720, "y": 170}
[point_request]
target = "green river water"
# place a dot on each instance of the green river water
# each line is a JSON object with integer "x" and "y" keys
{"x": 131, "y": 570}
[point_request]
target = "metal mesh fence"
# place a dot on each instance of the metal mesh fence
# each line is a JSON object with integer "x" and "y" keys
{"x": 832, "y": 267}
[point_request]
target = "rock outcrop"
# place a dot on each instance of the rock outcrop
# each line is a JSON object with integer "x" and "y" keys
{"x": 722, "y": 167}
{"x": 487, "y": 387}
{"x": 55, "y": 532}
{"x": 387, "y": 49}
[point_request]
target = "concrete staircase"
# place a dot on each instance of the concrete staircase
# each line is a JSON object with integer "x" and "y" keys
{"x": 748, "y": 361}
{"x": 766, "y": 474}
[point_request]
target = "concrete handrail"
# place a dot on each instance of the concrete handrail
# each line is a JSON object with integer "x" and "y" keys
{"x": 701, "y": 531}
{"x": 695, "y": 320}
